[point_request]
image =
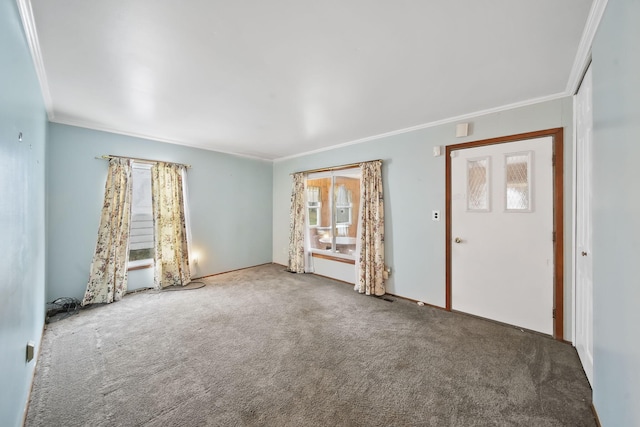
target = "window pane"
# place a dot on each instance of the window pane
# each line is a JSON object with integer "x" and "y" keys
{"x": 347, "y": 204}
{"x": 313, "y": 217}
{"x": 141, "y": 239}
{"x": 313, "y": 195}
{"x": 319, "y": 208}
{"x": 478, "y": 184}
{"x": 333, "y": 201}
{"x": 517, "y": 179}
{"x": 343, "y": 215}
{"x": 313, "y": 204}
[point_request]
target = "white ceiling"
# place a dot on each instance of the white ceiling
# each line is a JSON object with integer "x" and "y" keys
{"x": 273, "y": 79}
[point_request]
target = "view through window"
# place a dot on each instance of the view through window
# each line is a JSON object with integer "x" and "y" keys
{"x": 333, "y": 203}
{"x": 141, "y": 237}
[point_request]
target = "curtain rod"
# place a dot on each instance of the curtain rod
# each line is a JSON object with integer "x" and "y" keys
{"x": 335, "y": 168}
{"x": 111, "y": 156}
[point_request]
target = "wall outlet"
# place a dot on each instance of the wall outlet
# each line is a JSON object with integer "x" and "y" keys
{"x": 31, "y": 346}
{"x": 386, "y": 273}
{"x": 435, "y": 215}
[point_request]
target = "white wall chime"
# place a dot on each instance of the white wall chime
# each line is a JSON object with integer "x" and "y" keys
{"x": 462, "y": 129}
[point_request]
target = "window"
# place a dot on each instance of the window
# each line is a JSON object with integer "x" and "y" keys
{"x": 141, "y": 238}
{"x": 333, "y": 201}
{"x": 343, "y": 206}
{"x": 313, "y": 206}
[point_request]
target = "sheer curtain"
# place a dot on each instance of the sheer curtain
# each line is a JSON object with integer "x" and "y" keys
{"x": 296, "y": 225}
{"x": 171, "y": 248}
{"x": 108, "y": 271}
{"x": 370, "y": 279}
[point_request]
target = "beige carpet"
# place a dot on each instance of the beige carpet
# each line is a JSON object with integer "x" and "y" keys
{"x": 263, "y": 347}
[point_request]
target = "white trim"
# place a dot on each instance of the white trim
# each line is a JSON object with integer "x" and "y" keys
{"x": 31, "y": 33}
{"x": 93, "y": 126}
{"x": 574, "y": 224}
{"x": 579, "y": 66}
{"x": 583, "y": 56}
{"x": 432, "y": 124}
{"x": 327, "y": 252}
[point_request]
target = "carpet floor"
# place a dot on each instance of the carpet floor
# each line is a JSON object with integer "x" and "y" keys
{"x": 263, "y": 347}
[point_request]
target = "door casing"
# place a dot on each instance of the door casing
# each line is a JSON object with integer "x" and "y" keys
{"x": 558, "y": 216}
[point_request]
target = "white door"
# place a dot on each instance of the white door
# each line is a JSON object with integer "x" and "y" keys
{"x": 502, "y": 229}
{"x": 584, "y": 281}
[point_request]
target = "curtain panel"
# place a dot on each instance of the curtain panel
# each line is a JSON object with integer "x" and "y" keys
{"x": 171, "y": 246}
{"x": 108, "y": 271}
{"x": 370, "y": 279}
{"x": 297, "y": 225}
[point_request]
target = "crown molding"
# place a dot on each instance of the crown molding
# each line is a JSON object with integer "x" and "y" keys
{"x": 583, "y": 56}
{"x": 581, "y": 61}
{"x": 580, "y": 64}
{"x": 432, "y": 124}
{"x": 96, "y": 127}
{"x": 31, "y": 33}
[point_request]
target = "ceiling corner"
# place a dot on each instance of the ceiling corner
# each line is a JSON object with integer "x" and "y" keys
{"x": 29, "y": 26}
{"x": 583, "y": 56}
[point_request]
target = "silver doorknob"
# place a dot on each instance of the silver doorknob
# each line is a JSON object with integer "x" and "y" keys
{"x": 584, "y": 253}
{"x": 457, "y": 240}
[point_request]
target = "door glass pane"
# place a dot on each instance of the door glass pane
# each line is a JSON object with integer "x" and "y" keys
{"x": 478, "y": 184}
{"x": 517, "y": 167}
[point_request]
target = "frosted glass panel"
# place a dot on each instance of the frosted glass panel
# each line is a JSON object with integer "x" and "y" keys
{"x": 478, "y": 184}
{"x": 518, "y": 167}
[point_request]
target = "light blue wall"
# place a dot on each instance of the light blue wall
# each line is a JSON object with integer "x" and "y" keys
{"x": 22, "y": 215}
{"x": 616, "y": 215}
{"x": 414, "y": 185}
{"x": 229, "y": 197}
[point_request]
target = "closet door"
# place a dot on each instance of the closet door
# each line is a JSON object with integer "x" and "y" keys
{"x": 584, "y": 261}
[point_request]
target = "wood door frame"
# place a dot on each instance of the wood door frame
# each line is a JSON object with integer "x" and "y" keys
{"x": 558, "y": 215}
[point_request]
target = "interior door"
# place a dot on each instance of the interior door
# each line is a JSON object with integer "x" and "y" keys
{"x": 584, "y": 280}
{"x": 502, "y": 252}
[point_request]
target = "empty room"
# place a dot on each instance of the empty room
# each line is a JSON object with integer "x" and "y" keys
{"x": 319, "y": 213}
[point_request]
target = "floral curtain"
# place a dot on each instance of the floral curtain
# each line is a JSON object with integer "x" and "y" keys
{"x": 108, "y": 271}
{"x": 296, "y": 225}
{"x": 371, "y": 252}
{"x": 171, "y": 249}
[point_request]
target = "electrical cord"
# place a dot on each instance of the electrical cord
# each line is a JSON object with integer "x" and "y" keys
{"x": 64, "y": 307}
{"x": 184, "y": 288}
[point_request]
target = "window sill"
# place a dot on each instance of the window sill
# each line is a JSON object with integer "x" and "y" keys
{"x": 334, "y": 257}
{"x": 140, "y": 264}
